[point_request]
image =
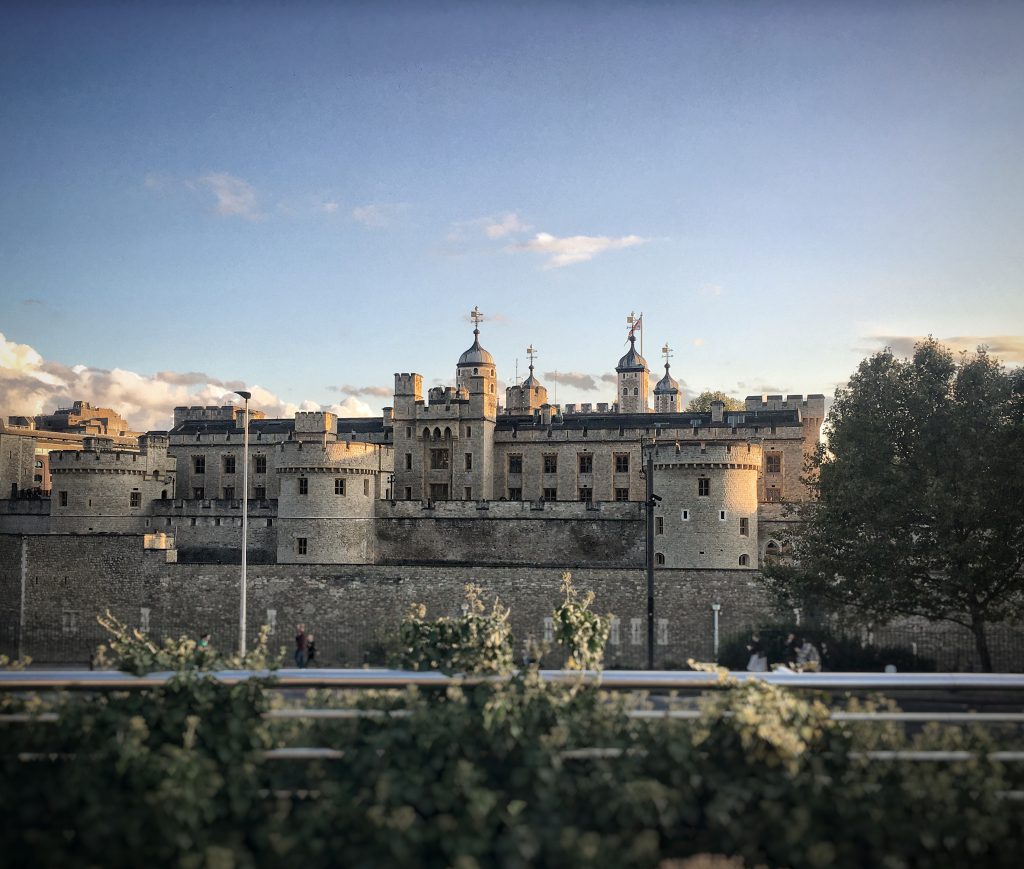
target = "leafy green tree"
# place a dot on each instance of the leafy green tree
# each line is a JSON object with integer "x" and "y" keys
{"x": 920, "y": 495}
{"x": 702, "y": 403}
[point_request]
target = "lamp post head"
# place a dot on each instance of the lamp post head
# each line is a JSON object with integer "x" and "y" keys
{"x": 244, "y": 394}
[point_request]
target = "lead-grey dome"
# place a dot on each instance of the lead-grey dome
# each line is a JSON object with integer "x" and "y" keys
{"x": 667, "y": 385}
{"x": 632, "y": 361}
{"x": 476, "y": 355}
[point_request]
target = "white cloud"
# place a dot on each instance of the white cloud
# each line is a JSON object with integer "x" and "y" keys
{"x": 329, "y": 207}
{"x": 235, "y": 197}
{"x": 30, "y": 385}
{"x": 510, "y": 224}
{"x": 575, "y": 248}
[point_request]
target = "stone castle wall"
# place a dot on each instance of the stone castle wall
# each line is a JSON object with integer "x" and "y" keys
{"x": 69, "y": 579}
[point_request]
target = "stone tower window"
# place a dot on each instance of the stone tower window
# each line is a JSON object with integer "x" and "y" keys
{"x": 515, "y": 464}
{"x": 135, "y": 499}
{"x": 229, "y": 464}
{"x": 622, "y": 463}
{"x": 301, "y": 545}
{"x": 586, "y": 463}
{"x": 704, "y": 488}
{"x": 366, "y": 486}
{"x": 303, "y": 486}
{"x": 622, "y": 494}
{"x": 773, "y": 463}
{"x": 659, "y": 558}
{"x": 439, "y": 460}
{"x": 63, "y": 499}
{"x": 744, "y": 527}
{"x": 659, "y": 524}
{"x": 339, "y": 486}
{"x": 408, "y": 461}
{"x": 744, "y": 560}
{"x": 259, "y": 464}
{"x": 469, "y": 461}
{"x": 551, "y": 463}
{"x": 199, "y": 464}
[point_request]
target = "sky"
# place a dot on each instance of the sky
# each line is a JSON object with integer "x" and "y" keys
{"x": 302, "y": 199}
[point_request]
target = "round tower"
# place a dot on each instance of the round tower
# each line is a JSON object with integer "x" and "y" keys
{"x": 707, "y": 517}
{"x": 476, "y": 362}
{"x": 633, "y": 380}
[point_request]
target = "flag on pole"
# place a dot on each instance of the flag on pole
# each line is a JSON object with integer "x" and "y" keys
{"x": 636, "y": 325}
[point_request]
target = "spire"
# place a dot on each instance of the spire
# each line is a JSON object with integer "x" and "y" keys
{"x": 532, "y": 354}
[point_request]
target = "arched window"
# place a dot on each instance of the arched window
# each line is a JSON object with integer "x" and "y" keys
{"x": 771, "y": 550}
{"x": 437, "y": 434}
{"x": 426, "y": 434}
{"x": 636, "y": 391}
{"x": 447, "y": 432}
{"x": 625, "y": 390}
{"x": 659, "y": 557}
{"x": 744, "y": 560}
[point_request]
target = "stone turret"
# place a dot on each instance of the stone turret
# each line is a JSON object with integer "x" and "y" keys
{"x": 666, "y": 394}
{"x": 633, "y": 381}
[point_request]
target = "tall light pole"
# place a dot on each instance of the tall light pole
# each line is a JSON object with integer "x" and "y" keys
{"x": 245, "y": 520}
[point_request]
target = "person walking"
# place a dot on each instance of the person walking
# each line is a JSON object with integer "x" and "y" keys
{"x": 807, "y": 658}
{"x": 300, "y": 646}
{"x": 310, "y": 650}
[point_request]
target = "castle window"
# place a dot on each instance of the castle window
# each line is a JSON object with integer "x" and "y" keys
{"x": 662, "y": 632}
{"x": 229, "y": 464}
{"x": 259, "y": 493}
{"x": 408, "y": 461}
{"x": 468, "y": 493}
{"x": 199, "y": 464}
{"x": 721, "y": 515}
{"x": 636, "y": 391}
{"x": 586, "y": 463}
{"x": 622, "y": 463}
{"x": 773, "y": 463}
{"x": 613, "y": 632}
{"x": 408, "y": 431}
{"x": 366, "y": 486}
{"x": 622, "y": 494}
{"x": 685, "y": 515}
{"x": 469, "y": 431}
{"x": 625, "y": 390}
{"x": 771, "y": 551}
{"x": 586, "y": 494}
{"x": 551, "y": 464}
{"x": 192, "y": 521}
{"x": 515, "y": 494}
{"x": 469, "y": 461}
{"x": 744, "y": 561}
{"x": 199, "y": 493}
{"x": 270, "y": 523}
{"x": 63, "y": 499}
{"x": 229, "y": 493}
{"x": 439, "y": 460}
{"x": 303, "y": 486}
{"x": 301, "y": 545}
{"x": 439, "y": 491}
{"x": 744, "y": 527}
{"x": 704, "y": 487}
{"x": 659, "y": 524}
{"x": 169, "y": 522}
{"x": 259, "y": 464}
{"x": 550, "y": 494}
{"x": 217, "y": 521}
{"x": 144, "y": 619}
{"x": 549, "y": 629}
{"x": 773, "y": 494}
{"x": 635, "y": 631}
{"x": 135, "y": 499}
{"x": 408, "y": 493}
{"x": 659, "y": 558}
{"x": 339, "y": 486}
{"x": 515, "y": 464}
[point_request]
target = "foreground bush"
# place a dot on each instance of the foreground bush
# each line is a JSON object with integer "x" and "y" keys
{"x": 516, "y": 772}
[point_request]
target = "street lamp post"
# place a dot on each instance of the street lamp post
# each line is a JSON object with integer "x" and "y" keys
{"x": 245, "y": 520}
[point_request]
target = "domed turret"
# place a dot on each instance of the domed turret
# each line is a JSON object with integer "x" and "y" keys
{"x": 632, "y": 361}
{"x": 666, "y": 393}
{"x": 476, "y": 362}
{"x": 528, "y": 395}
{"x": 633, "y": 380}
{"x": 476, "y": 355}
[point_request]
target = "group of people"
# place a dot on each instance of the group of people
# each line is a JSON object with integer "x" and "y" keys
{"x": 305, "y": 647}
{"x": 801, "y": 654}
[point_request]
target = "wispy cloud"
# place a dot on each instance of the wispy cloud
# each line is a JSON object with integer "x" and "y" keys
{"x": 492, "y": 227}
{"x": 576, "y": 379}
{"x": 378, "y": 214}
{"x": 575, "y": 248}
{"x": 509, "y": 224}
{"x": 1009, "y": 348}
{"x": 235, "y": 197}
{"x": 30, "y": 385}
{"x": 377, "y": 391}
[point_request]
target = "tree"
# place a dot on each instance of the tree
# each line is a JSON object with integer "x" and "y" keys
{"x": 920, "y": 495}
{"x": 702, "y": 403}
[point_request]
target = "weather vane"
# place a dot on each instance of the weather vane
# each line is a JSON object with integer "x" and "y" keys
{"x": 476, "y": 317}
{"x": 666, "y": 351}
{"x": 532, "y": 354}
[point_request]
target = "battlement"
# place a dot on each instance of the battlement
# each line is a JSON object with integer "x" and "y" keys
{"x": 315, "y": 422}
{"x": 722, "y": 454}
{"x": 535, "y": 510}
{"x": 108, "y": 461}
{"x": 409, "y": 384}
{"x": 813, "y": 405}
{"x": 328, "y": 456}
{"x": 214, "y": 413}
{"x": 587, "y": 407}
{"x": 446, "y": 395}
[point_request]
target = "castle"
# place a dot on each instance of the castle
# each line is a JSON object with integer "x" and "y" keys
{"x": 447, "y": 481}
{"x": 434, "y": 479}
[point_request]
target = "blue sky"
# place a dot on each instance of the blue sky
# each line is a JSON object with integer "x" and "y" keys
{"x": 308, "y": 197}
